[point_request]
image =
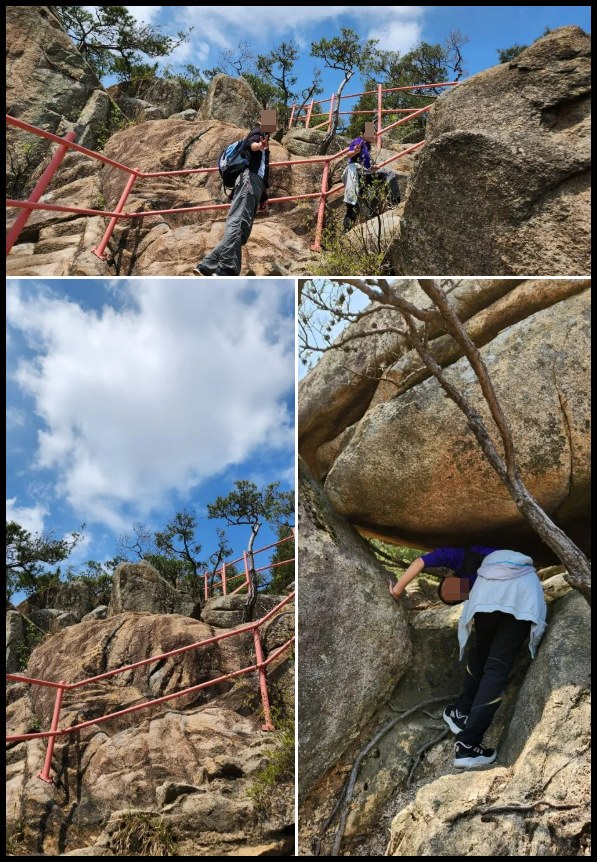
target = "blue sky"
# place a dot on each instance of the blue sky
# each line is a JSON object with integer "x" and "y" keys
{"x": 488, "y": 28}
{"x": 130, "y": 399}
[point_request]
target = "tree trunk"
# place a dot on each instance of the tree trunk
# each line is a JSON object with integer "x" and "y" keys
{"x": 325, "y": 144}
{"x": 252, "y": 594}
{"x": 577, "y": 565}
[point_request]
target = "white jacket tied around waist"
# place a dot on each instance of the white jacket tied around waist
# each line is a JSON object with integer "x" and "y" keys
{"x": 506, "y": 581}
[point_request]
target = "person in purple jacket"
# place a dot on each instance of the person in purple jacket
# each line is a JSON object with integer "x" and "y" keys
{"x": 498, "y": 637}
{"x": 359, "y": 172}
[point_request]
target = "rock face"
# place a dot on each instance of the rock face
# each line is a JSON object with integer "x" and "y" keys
{"x": 163, "y": 96}
{"x": 536, "y": 347}
{"x": 534, "y": 802}
{"x": 15, "y": 641}
{"x": 140, "y": 587}
{"x": 77, "y": 597}
{"x": 61, "y": 244}
{"x": 227, "y": 611}
{"x": 51, "y": 619}
{"x": 49, "y": 85}
{"x": 231, "y": 100}
{"x": 502, "y": 185}
{"x": 158, "y": 137}
{"x": 185, "y": 769}
{"x": 349, "y": 664}
{"x": 91, "y": 648}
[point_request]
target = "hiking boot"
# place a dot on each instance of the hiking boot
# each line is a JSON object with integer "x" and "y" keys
{"x": 454, "y": 719}
{"x": 222, "y": 271}
{"x": 472, "y": 756}
{"x": 201, "y": 269}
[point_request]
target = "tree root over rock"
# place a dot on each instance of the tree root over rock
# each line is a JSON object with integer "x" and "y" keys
{"x": 342, "y": 805}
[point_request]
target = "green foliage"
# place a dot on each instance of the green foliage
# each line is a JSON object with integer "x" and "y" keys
{"x": 193, "y": 82}
{"x": 347, "y": 52}
{"x": 16, "y": 838}
{"x": 505, "y": 55}
{"x": 175, "y": 552}
{"x": 113, "y": 42}
{"x": 178, "y": 545}
{"x": 28, "y": 556}
{"x": 33, "y": 637}
{"x": 99, "y": 576}
{"x": 250, "y": 505}
{"x": 426, "y": 63}
{"x": 280, "y": 766}
{"x": 367, "y": 247}
{"x": 271, "y": 76}
{"x": 282, "y": 576}
{"x": 115, "y": 121}
{"x": 275, "y": 72}
{"x": 22, "y": 159}
{"x": 266, "y": 93}
{"x": 142, "y": 833}
{"x": 394, "y": 557}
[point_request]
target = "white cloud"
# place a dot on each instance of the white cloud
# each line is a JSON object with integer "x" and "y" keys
{"x": 145, "y": 14}
{"x": 29, "y": 517}
{"x": 397, "y": 35}
{"x": 15, "y": 418}
{"x": 184, "y": 382}
{"x": 398, "y": 27}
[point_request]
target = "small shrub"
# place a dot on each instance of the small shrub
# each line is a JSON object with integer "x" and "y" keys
{"x": 16, "y": 838}
{"x": 367, "y": 248}
{"x": 33, "y": 637}
{"x": 280, "y": 767}
{"x": 142, "y": 833}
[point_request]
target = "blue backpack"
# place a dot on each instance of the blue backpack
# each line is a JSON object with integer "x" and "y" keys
{"x": 233, "y": 162}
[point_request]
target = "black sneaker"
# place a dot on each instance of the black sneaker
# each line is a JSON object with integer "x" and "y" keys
{"x": 472, "y": 756}
{"x": 454, "y": 719}
{"x": 201, "y": 269}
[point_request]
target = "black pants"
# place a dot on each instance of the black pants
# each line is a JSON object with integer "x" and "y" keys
{"x": 498, "y": 638}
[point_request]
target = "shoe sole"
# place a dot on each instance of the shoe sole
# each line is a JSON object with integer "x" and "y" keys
{"x": 473, "y": 762}
{"x": 453, "y": 727}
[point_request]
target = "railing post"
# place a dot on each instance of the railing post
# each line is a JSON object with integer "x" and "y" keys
{"x": 45, "y": 773}
{"x": 316, "y": 244}
{"x": 291, "y": 116}
{"x": 379, "y": 115}
{"x": 267, "y": 725}
{"x": 224, "y": 585}
{"x": 101, "y": 248}
{"x": 309, "y": 112}
{"x": 38, "y": 190}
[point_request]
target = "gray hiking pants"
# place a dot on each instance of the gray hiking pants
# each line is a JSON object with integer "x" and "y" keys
{"x": 226, "y": 256}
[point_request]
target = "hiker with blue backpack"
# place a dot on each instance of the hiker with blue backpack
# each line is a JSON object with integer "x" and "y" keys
{"x": 244, "y": 167}
{"x": 503, "y": 606}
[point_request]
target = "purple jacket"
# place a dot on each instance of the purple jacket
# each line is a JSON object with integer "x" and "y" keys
{"x": 364, "y": 157}
{"x": 453, "y": 558}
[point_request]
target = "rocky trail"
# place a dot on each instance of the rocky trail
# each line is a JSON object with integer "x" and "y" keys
{"x": 503, "y": 173}
{"x": 408, "y": 798}
{"x": 184, "y": 777}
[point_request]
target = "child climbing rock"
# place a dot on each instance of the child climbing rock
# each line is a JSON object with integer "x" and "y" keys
{"x": 505, "y": 606}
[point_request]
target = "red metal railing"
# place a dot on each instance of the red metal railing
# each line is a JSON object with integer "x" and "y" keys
{"x": 260, "y": 666}
{"x": 297, "y": 116}
{"x": 68, "y": 143}
{"x": 220, "y": 579}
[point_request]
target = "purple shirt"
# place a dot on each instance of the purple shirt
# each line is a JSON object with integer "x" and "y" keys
{"x": 453, "y": 558}
{"x": 363, "y": 156}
